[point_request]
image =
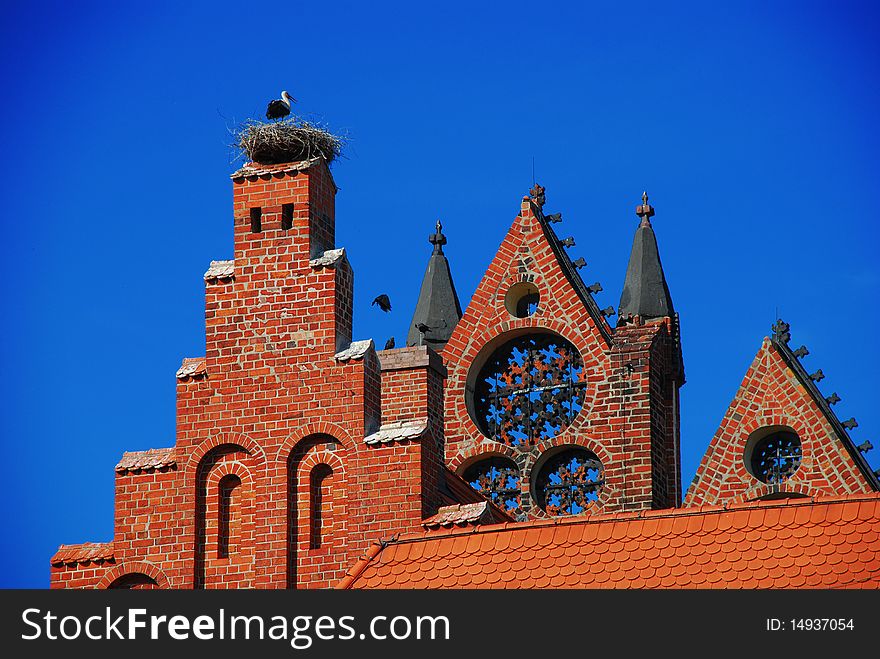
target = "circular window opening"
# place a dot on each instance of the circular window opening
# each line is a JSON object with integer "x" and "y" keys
{"x": 569, "y": 481}
{"x": 530, "y": 389}
{"x": 775, "y": 457}
{"x": 498, "y": 479}
{"x": 522, "y": 299}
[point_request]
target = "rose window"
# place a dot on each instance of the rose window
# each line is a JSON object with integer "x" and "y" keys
{"x": 497, "y": 479}
{"x": 530, "y": 389}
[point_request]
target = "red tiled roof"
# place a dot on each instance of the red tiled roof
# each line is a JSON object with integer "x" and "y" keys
{"x": 795, "y": 543}
{"x": 95, "y": 552}
{"x": 155, "y": 458}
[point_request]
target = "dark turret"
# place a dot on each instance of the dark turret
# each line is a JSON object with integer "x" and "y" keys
{"x": 438, "y": 309}
{"x": 645, "y": 292}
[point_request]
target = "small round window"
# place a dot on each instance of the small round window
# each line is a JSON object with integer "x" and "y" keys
{"x": 530, "y": 389}
{"x": 522, "y": 299}
{"x": 569, "y": 481}
{"x": 497, "y": 479}
{"x": 775, "y": 457}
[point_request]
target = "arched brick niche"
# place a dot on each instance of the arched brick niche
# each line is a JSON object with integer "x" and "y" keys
{"x": 225, "y": 518}
{"x": 317, "y": 504}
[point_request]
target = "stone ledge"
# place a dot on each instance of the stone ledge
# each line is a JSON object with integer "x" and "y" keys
{"x": 355, "y": 350}
{"x": 328, "y": 259}
{"x": 399, "y": 359}
{"x": 397, "y": 431}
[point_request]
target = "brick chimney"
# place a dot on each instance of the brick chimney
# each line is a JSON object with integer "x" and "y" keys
{"x": 288, "y": 291}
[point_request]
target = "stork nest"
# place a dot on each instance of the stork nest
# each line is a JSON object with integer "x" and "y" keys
{"x": 290, "y": 140}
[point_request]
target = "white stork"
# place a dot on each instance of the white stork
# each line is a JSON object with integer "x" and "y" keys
{"x": 280, "y": 107}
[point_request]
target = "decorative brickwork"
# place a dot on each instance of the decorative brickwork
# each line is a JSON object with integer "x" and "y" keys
{"x": 629, "y": 399}
{"x": 771, "y": 399}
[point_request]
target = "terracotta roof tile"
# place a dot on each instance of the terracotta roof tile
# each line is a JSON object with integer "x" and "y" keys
{"x": 87, "y": 552}
{"x": 192, "y": 367}
{"x": 742, "y": 546}
{"x": 155, "y": 458}
{"x": 220, "y": 270}
{"x": 259, "y": 169}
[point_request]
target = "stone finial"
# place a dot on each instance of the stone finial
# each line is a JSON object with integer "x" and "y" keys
{"x": 537, "y": 195}
{"x": 645, "y": 210}
{"x": 437, "y": 239}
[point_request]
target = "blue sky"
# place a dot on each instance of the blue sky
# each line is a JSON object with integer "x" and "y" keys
{"x": 752, "y": 125}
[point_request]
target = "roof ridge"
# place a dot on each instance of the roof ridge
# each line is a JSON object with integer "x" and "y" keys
{"x": 358, "y": 568}
{"x": 631, "y": 516}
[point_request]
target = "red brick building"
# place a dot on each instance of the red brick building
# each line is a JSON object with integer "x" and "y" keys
{"x": 527, "y": 442}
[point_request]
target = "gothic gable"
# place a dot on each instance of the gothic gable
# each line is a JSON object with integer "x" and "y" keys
{"x": 780, "y": 438}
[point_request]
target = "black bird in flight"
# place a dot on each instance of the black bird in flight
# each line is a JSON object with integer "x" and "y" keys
{"x": 280, "y": 107}
{"x": 389, "y": 344}
{"x": 383, "y": 302}
{"x": 422, "y": 328}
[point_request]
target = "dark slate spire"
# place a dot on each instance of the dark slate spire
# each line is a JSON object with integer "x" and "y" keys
{"x": 438, "y": 310}
{"x": 645, "y": 292}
